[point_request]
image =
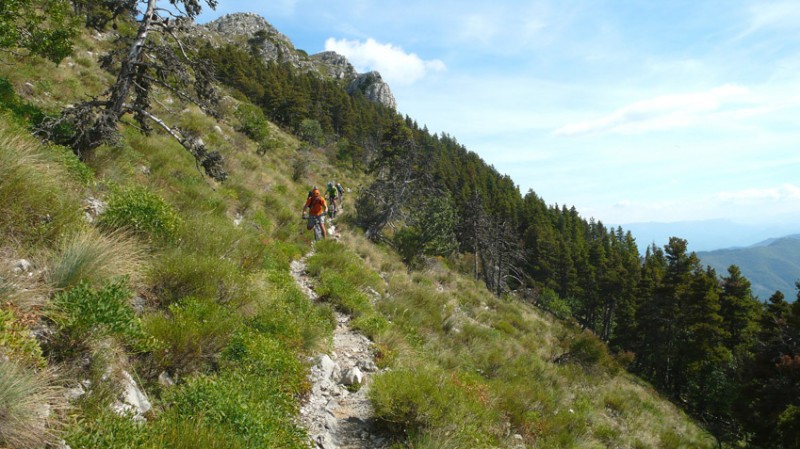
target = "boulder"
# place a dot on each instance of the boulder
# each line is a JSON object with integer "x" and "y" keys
{"x": 353, "y": 376}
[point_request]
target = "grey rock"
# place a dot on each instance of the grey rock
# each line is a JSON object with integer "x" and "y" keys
{"x": 164, "y": 380}
{"x": 335, "y": 65}
{"x": 74, "y": 393}
{"x": 327, "y": 365}
{"x": 138, "y": 304}
{"x": 22, "y": 266}
{"x": 367, "y": 365}
{"x": 134, "y": 402}
{"x": 93, "y": 207}
{"x": 353, "y": 376}
{"x": 374, "y": 88}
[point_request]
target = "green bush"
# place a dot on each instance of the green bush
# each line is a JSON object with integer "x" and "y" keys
{"x": 191, "y": 335}
{"x": 588, "y": 351}
{"x": 141, "y": 211}
{"x": 252, "y": 122}
{"x": 253, "y": 397}
{"x": 370, "y": 324}
{"x": 287, "y": 315}
{"x": 179, "y": 274}
{"x": 424, "y": 399}
{"x": 16, "y": 341}
{"x": 83, "y": 313}
{"x": 310, "y": 131}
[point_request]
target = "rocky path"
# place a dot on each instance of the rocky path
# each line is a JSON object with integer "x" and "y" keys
{"x": 337, "y": 414}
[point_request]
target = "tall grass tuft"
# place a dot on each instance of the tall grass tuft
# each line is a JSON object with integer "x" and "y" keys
{"x": 29, "y": 407}
{"x": 92, "y": 257}
{"x": 36, "y": 209}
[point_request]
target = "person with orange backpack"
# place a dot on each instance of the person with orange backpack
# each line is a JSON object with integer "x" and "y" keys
{"x": 317, "y": 207}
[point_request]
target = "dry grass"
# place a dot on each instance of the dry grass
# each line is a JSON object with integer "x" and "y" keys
{"x": 30, "y": 406}
{"x": 95, "y": 257}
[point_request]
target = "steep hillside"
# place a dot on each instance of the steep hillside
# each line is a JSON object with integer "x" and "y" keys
{"x": 145, "y": 305}
{"x": 771, "y": 265}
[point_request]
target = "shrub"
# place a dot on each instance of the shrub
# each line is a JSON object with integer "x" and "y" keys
{"x": 191, "y": 336}
{"x": 252, "y": 122}
{"x": 253, "y": 397}
{"x": 94, "y": 258}
{"x": 287, "y": 315}
{"x": 141, "y": 211}
{"x": 423, "y": 399}
{"x": 83, "y": 313}
{"x": 588, "y": 351}
{"x": 310, "y": 131}
{"x": 178, "y": 275}
{"x": 17, "y": 342}
{"x": 29, "y": 407}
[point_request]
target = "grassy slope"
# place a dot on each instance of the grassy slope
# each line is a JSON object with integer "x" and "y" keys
{"x": 223, "y": 317}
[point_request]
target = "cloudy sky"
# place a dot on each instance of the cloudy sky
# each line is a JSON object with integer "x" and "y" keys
{"x": 630, "y": 110}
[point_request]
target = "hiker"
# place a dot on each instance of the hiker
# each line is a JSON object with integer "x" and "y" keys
{"x": 340, "y": 189}
{"x": 317, "y": 207}
{"x": 331, "y": 197}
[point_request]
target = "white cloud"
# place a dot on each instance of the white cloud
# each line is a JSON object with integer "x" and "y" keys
{"x": 659, "y": 113}
{"x": 773, "y": 15}
{"x": 784, "y": 192}
{"x": 395, "y": 65}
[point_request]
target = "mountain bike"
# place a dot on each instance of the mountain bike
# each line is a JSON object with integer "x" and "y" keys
{"x": 317, "y": 229}
{"x": 332, "y": 207}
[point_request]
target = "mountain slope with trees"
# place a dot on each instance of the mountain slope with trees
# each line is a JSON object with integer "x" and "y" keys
{"x": 771, "y": 265}
{"x": 178, "y": 279}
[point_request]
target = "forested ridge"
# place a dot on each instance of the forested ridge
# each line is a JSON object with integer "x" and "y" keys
{"x": 700, "y": 337}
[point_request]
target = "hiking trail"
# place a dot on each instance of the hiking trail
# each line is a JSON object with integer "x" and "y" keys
{"x": 337, "y": 413}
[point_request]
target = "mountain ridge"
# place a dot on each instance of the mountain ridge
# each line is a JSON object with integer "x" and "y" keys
{"x": 770, "y": 265}
{"x": 273, "y": 46}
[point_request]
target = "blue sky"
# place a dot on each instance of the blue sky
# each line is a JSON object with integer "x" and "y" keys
{"x": 630, "y": 110}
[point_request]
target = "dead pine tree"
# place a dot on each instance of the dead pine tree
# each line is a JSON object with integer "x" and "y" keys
{"x": 157, "y": 55}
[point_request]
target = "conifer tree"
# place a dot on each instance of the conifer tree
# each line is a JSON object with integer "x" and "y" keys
{"x": 155, "y": 56}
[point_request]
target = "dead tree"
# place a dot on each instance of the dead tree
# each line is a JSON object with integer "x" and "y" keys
{"x": 156, "y": 56}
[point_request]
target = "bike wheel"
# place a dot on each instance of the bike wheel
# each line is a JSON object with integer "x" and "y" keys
{"x": 317, "y": 232}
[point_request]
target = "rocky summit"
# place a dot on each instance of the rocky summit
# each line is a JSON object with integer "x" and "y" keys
{"x": 254, "y": 31}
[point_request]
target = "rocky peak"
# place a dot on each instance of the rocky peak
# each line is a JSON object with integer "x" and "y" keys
{"x": 374, "y": 88}
{"x": 336, "y": 65}
{"x": 254, "y": 31}
{"x": 245, "y": 24}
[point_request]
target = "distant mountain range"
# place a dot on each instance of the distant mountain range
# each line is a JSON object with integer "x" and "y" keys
{"x": 707, "y": 235}
{"x": 770, "y": 265}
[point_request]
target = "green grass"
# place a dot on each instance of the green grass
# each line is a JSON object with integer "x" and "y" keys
{"x": 190, "y": 335}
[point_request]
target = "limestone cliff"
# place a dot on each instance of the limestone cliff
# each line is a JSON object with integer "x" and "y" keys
{"x": 254, "y": 31}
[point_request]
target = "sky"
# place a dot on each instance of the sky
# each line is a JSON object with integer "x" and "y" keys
{"x": 630, "y": 110}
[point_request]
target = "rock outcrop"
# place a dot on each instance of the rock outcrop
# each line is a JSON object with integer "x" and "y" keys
{"x": 374, "y": 88}
{"x": 335, "y": 65}
{"x": 255, "y": 32}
